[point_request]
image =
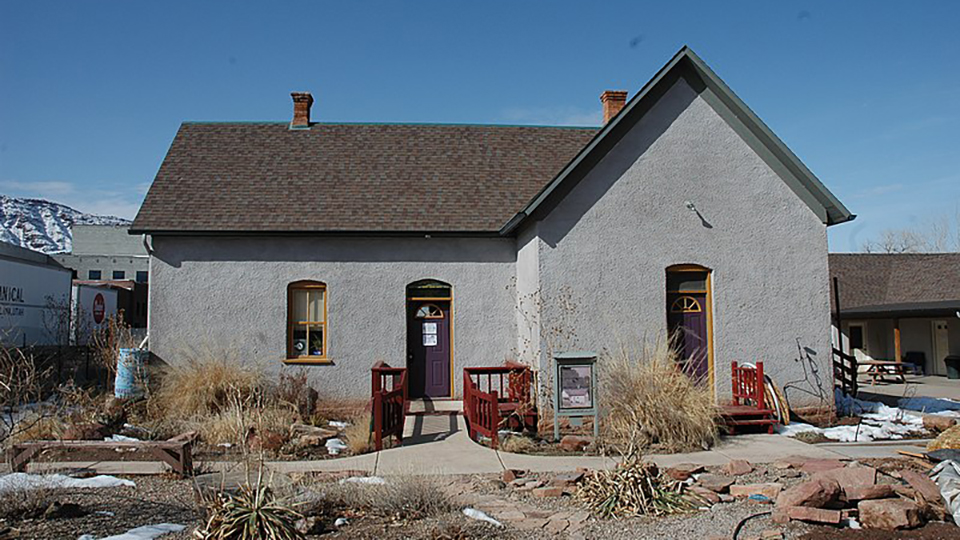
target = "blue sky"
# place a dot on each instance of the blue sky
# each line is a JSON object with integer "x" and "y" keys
{"x": 91, "y": 93}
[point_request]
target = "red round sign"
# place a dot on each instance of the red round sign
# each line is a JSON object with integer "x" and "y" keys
{"x": 99, "y": 308}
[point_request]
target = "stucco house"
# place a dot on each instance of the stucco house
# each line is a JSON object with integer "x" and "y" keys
{"x": 899, "y": 306}
{"x": 432, "y": 246}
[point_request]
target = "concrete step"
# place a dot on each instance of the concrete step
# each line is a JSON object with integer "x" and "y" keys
{"x": 419, "y": 428}
{"x": 429, "y": 406}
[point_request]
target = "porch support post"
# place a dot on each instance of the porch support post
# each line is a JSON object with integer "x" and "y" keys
{"x": 896, "y": 339}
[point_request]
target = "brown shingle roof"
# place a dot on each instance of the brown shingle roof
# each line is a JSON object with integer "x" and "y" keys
{"x": 871, "y": 280}
{"x": 266, "y": 177}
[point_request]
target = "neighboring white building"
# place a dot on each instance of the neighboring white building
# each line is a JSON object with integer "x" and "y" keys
{"x": 34, "y": 298}
{"x": 93, "y": 305}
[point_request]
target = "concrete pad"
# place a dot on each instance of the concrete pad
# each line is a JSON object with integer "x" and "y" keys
{"x": 872, "y": 450}
{"x": 555, "y": 463}
{"x": 455, "y": 454}
{"x": 363, "y": 462}
{"x": 769, "y": 448}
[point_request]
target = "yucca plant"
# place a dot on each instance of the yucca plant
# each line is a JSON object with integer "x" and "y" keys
{"x": 254, "y": 513}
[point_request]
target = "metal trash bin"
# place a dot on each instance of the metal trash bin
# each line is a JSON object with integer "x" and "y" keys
{"x": 953, "y": 366}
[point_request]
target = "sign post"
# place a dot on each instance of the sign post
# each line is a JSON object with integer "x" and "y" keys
{"x": 575, "y": 390}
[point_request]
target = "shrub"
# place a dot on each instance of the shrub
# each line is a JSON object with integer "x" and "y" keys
{"x": 401, "y": 497}
{"x": 649, "y": 401}
{"x": 518, "y": 444}
{"x": 206, "y": 382}
{"x": 234, "y": 423}
{"x": 25, "y": 502}
{"x": 294, "y": 390}
{"x": 254, "y": 512}
{"x": 358, "y": 437}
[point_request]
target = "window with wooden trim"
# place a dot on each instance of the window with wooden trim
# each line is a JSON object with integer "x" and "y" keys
{"x": 307, "y": 321}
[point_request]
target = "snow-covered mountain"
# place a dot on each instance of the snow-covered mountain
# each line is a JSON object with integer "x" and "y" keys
{"x": 44, "y": 226}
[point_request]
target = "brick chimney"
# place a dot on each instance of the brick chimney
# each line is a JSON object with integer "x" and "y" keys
{"x": 301, "y": 109}
{"x": 613, "y": 101}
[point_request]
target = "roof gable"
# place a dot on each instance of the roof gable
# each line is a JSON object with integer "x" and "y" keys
{"x": 686, "y": 64}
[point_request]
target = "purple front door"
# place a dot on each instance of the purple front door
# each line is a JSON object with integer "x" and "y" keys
{"x": 687, "y": 319}
{"x": 428, "y": 349}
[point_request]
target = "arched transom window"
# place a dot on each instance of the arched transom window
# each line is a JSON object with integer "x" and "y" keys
{"x": 686, "y": 304}
{"x": 429, "y": 311}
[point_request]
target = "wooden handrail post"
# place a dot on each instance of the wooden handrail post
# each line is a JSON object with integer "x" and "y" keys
{"x": 760, "y": 385}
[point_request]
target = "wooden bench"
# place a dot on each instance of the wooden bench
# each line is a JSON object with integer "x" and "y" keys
{"x": 748, "y": 406}
{"x": 176, "y": 452}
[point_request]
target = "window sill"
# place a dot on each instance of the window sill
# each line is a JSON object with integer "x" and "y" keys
{"x": 313, "y": 360}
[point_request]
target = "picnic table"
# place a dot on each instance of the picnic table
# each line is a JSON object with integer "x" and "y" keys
{"x": 880, "y": 369}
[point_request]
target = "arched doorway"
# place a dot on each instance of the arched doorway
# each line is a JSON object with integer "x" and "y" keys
{"x": 429, "y": 339}
{"x": 689, "y": 318}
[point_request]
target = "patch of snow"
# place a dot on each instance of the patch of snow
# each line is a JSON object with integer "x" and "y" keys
{"x": 473, "y": 513}
{"x": 105, "y": 513}
{"x": 878, "y": 422}
{"x": 225, "y": 445}
{"x": 340, "y": 522}
{"x": 335, "y": 446}
{"x": 337, "y": 424}
{"x": 147, "y": 532}
{"x": 368, "y": 480}
{"x": 120, "y": 438}
{"x": 20, "y": 481}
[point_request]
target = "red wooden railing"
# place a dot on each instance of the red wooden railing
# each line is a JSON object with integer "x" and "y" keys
{"x": 491, "y": 393}
{"x": 389, "y": 402}
{"x": 748, "y": 385}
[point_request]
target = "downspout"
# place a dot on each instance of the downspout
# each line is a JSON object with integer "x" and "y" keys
{"x": 149, "y": 247}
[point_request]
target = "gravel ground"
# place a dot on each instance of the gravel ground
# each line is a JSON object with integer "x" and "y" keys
{"x": 160, "y": 499}
{"x": 155, "y": 499}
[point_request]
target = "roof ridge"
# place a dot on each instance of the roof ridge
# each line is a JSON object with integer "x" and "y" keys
{"x": 436, "y": 124}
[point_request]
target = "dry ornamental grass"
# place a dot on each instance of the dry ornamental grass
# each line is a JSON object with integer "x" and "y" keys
{"x": 650, "y": 402}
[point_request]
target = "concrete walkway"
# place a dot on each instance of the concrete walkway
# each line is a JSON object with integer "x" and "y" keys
{"x": 440, "y": 445}
{"x": 455, "y": 453}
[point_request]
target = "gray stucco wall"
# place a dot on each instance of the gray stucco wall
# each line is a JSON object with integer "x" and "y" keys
{"x": 604, "y": 248}
{"x": 230, "y": 294}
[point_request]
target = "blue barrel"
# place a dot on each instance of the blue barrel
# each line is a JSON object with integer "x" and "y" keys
{"x": 131, "y": 375}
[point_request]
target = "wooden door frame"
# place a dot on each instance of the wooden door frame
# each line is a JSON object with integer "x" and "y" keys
{"x": 708, "y": 294}
{"x": 409, "y": 312}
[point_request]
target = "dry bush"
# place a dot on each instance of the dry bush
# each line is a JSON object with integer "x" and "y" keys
{"x": 221, "y": 397}
{"x": 234, "y": 423}
{"x": 518, "y": 444}
{"x": 206, "y": 382}
{"x": 39, "y": 427}
{"x": 25, "y": 502}
{"x": 106, "y": 341}
{"x": 400, "y": 498}
{"x": 649, "y": 401}
{"x": 294, "y": 390}
{"x": 358, "y": 437}
{"x": 633, "y": 488}
{"x": 344, "y": 410}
